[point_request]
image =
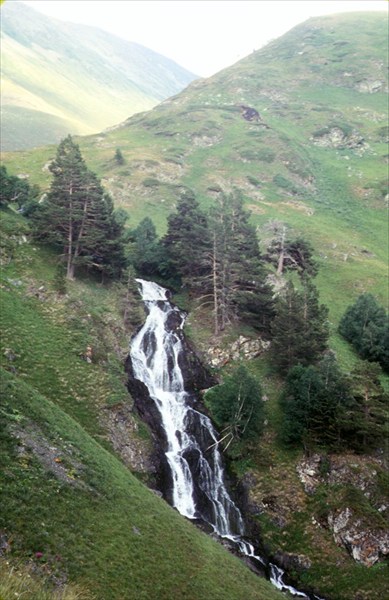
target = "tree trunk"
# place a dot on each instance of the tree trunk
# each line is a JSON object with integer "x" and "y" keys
{"x": 215, "y": 295}
{"x": 281, "y": 258}
{"x": 70, "y": 263}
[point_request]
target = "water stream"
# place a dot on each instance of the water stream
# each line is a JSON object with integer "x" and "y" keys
{"x": 198, "y": 483}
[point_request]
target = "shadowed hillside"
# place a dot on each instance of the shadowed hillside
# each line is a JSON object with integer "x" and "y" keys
{"x": 59, "y": 77}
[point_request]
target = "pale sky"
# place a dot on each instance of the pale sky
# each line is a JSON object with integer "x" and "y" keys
{"x": 204, "y": 36}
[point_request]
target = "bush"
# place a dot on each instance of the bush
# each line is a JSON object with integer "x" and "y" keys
{"x": 285, "y": 184}
{"x": 237, "y": 406}
{"x": 151, "y": 182}
{"x": 365, "y": 326}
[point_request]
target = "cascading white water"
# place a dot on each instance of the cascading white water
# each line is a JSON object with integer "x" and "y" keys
{"x": 192, "y": 447}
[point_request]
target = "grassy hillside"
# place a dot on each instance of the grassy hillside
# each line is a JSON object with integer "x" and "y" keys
{"x": 71, "y": 510}
{"x": 59, "y": 78}
{"x": 315, "y": 158}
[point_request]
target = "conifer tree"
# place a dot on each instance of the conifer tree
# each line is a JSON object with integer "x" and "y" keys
{"x": 300, "y": 328}
{"x": 77, "y": 216}
{"x": 14, "y": 189}
{"x": 315, "y": 402}
{"x": 187, "y": 240}
{"x": 368, "y": 424}
{"x": 237, "y": 273}
{"x": 146, "y": 253}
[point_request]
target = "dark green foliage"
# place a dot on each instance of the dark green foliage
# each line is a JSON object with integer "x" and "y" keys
{"x": 218, "y": 259}
{"x": 187, "y": 239}
{"x": 291, "y": 255}
{"x": 300, "y": 328}
{"x": 237, "y": 406}
{"x": 285, "y": 184}
{"x": 78, "y": 217}
{"x": 365, "y": 326}
{"x": 315, "y": 402}
{"x": 15, "y": 189}
{"x": 119, "y": 158}
{"x": 60, "y": 278}
{"x": 299, "y": 257}
{"x": 369, "y": 422}
{"x": 147, "y": 255}
{"x": 151, "y": 182}
{"x": 236, "y": 269}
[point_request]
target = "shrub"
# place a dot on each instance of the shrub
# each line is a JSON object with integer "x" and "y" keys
{"x": 237, "y": 406}
{"x": 365, "y": 326}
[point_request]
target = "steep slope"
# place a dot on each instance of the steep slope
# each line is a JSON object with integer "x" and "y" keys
{"x": 299, "y": 127}
{"x": 71, "y": 510}
{"x": 58, "y": 78}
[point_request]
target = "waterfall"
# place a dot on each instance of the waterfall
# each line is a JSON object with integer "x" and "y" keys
{"x": 199, "y": 491}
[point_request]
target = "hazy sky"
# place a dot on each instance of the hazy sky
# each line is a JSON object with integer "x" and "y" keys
{"x": 204, "y": 36}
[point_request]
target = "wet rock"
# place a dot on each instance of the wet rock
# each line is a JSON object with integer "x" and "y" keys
{"x": 295, "y": 562}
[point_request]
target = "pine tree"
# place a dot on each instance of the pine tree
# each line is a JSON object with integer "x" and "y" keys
{"x": 237, "y": 273}
{"x": 78, "y": 217}
{"x": 145, "y": 251}
{"x": 287, "y": 254}
{"x": 14, "y": 189}
{"x": 119, "y": 158}
{"x": 368, "y": 424}
{"x": 187, "y": 240}
{"x": 315, "y": 402}
{"x": 299, "y": 329}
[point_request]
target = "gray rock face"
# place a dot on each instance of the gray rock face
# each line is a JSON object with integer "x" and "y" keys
{"x": 365, "y": 545}
{"x": 122, "y": 430}
{"x": 371, "y": 86}
{"x": 243, "y": 347}
{"x": 335, "y": 137}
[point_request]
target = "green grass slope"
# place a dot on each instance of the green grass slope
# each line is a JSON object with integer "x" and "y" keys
{"x": 81, "y": 78}
{"x": 316, "y": 159}
{"x": 95, "y": 520}
{"x": 71, "y": 511}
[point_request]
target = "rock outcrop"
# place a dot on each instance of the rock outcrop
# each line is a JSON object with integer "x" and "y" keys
{"x": 243, "y": 348}
{"x": 366, "y": 545}
{"x": 361, "y": 532}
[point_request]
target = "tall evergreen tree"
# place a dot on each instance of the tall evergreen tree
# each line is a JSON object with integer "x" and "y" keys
{"x": 147, "y": 255}
{"x": 237, "y": 273}
{"x": 77, "y": 216}
{"x": 290, "y": 254}
{"x": 187, "y": 240}
{"x": 315, "y": 402}
{"x": 300, "y": 328}
{"x": 368, "y": 424}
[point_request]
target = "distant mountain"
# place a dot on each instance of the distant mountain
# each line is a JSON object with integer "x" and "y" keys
{"x": 60, "y": 78}
{"x": 299, "y": 127}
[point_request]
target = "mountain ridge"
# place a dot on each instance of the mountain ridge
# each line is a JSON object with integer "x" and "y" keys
{"x": 83, "y": 75}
